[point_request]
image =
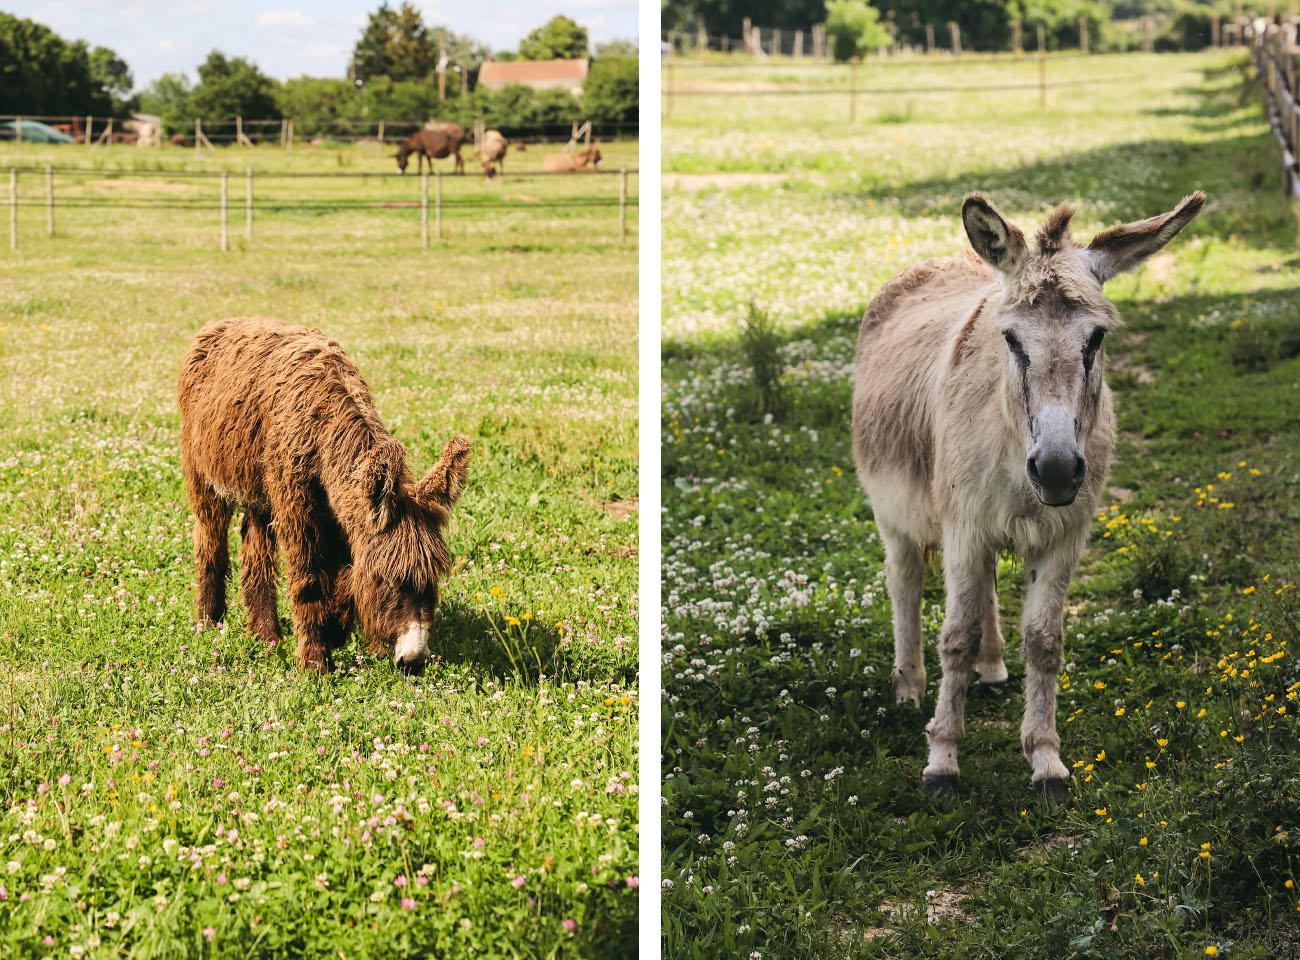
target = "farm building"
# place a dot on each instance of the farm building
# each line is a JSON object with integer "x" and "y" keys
{"x": 568, "y": 75}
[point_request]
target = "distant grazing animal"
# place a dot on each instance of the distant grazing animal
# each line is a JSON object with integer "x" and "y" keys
{"x": 427, "y": 145}
{"x": 492, "y": 151}
{"x": 276, "y": 419}
{"x": 981, "y": 423}
{"x": 561, "y": 162}
{"x": 178, "y": 140}
{"x": 518, "y": 146}
{"x": 456, "y": 134}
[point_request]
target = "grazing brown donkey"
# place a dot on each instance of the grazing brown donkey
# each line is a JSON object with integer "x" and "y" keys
{"x": 569, "y": 162}
{"x": 277, "y": 419}
{"x": 982, "y": 422}
{"x": 429, "y": 145}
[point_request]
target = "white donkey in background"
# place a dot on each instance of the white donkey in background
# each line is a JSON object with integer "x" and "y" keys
{"x": 982, "y": 423}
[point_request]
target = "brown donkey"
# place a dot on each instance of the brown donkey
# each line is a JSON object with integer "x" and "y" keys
{"x": 982, "y": 422}
{"x": 277, "y": 419}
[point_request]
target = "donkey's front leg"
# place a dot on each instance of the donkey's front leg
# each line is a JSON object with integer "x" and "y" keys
{"x": 1043, "y": 650}
{"x": 967, "y": 571}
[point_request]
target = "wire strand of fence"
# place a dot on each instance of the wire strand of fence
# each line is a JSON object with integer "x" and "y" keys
{"x": 127, "y": 172}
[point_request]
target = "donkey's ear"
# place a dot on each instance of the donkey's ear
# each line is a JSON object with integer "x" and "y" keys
{"x": 1124, "y": 247}
{"x": 998, "y": 243}
{"x": 381, "y": 479}
{"x": 442, "y": 485}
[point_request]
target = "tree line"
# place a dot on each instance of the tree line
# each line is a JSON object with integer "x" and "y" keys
{"x": 855, "y": 27}
{"x": 392, "y": 75}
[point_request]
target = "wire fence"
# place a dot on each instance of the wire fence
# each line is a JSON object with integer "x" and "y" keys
{"x": 944, "y": 38}
{"x": 285, "y": 132}
{"x": 43, "y": 195}
{"x": 1277, "y": 64}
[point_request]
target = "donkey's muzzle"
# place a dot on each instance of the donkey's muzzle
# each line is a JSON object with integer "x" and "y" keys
{"x": 1056, "y": 476}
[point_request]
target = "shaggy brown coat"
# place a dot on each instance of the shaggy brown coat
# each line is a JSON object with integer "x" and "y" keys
{"x": 277, "y": 419}
{"x": 429, "y": 145}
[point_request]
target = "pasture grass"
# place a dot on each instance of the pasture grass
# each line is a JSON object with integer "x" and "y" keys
{"x": 171, "y": 792}
{"x": 794, "y": 820}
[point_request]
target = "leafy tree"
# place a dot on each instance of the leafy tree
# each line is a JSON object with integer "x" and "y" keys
{"x": 611, "y": 93}
{"x": 853, "y": 28}
{"x": 727, "y": 16}
{"x": 232, "y": 87}
{"x": 41, "y": 73}
{"x": 317, "y": 104}
{"x": 617, "y": 48}
{"x": 169, "y": 97}
{"x": 395, "y": 44}
{"x": 113, "y": 76}
{"x": 557, "y": 39}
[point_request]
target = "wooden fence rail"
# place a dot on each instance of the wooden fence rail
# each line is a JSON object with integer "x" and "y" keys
{"x": 206, "y": 206}
{"x": 1275, "y": 52}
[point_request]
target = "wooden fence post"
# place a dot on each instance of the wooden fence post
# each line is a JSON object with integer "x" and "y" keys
{"x": 198, "y": 136}
{"x": 1083, "y": 34}
{"x": 929, "y": 38}
{"x": 18, "y": 127}
{"x": 746, "y": 32}
{"x": 248, "y": 206}
{"x": 853, "y": 89}
{"x": 424, "y": 209}
{"x": 108, "y": 134}
{"x": 622, "y": 204}
{"x": 1017, "y": 44}
{"x": 49, "y": 200}
{"x": 437, "y": 205}
{"x": 289, "y": 143}
{"x": 13, "y": 209}
{"x": 701, "y": 40}
{"x": 756, "y": 43}
{"x": 90, "y": 121}
{"x": 1042, "y": 68}
{"x": 225, "y": 236}
{"x": 1214, "y": 32}
{"x": 954, "y": 32}
{"x": 798, "y": 43}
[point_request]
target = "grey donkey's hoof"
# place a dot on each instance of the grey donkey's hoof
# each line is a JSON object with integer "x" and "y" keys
{"x": 941, "y": 785}
{"x": 1053, "y": 788}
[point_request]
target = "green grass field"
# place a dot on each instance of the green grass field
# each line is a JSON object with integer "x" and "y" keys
{"x": 794, "y": 820}
{"x": 166, "y": 792}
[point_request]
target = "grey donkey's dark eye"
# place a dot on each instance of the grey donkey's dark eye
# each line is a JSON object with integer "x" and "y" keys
{"x": 1017, "y": 350}
{"x": 1091, "y": 347}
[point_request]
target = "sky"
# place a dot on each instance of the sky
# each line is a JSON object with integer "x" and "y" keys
{"x": 287, "y": 38}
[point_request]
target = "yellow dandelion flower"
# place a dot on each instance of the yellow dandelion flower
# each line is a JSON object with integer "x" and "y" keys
{"x": 1141, "y": 882}
{"x": 1180, "y": 704}
{"x": 1211, "y": 951}
{"x": 1142, "y": 842}
{"x": 1102, "y": 755}
{"x": 1162, "y": 742}
{"x": 512, "y": 621}
{"x": 1151, "y": 765}
{"x": 1100, "y": 811}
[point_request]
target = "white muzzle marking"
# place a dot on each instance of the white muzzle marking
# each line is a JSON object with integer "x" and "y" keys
{"x": 412, "y": 646}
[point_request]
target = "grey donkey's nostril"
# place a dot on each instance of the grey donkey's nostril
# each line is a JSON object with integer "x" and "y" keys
{"x": 1056, "y": 470}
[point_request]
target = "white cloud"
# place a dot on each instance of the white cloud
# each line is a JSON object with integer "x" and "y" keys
{"x": 283, "y": 18}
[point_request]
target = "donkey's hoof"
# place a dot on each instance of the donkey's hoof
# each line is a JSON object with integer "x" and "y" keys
{"x": 941, "y": 785}
{"x": 1055, "y": 789}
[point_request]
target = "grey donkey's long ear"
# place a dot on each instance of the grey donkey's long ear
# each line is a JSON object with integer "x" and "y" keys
{"x": 999, "y": 244}
{"x": 1124, "y": 247}
{"x": 442, "y": 485}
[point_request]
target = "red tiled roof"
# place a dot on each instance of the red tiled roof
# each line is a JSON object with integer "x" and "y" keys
{"x": 502, "y": 72}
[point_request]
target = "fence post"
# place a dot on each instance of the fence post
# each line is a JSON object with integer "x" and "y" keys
{"x": 49, "y": 200}
{"x": 1017, "y": 45}
{"x": 198, "y": 136}
{"x": 90, "y": 121}
{"x": 756, "y": 44}
{"x": 225, "y": 236}
{"x": 289, "y": 142}
{"x": 1083, "y": 34}
{"x": 853, "y": 89}
{"x": 1042, "y": 66}
{"x": 381, "y": 136}
{"x": 746, "y": 33}
{"x": 437, "y": 205}
{"x": 108, "y": 134}
{"x": 701, "y": 40}
{"x": 622, "y": 204}
{"x": 248, "y": 206}
{"x": 18, "y": 125}
{"x": 1214, "y": 32}
{"x": 798, "y": 43}
{"x": 424, "y": 208}
{"x": 954, "y": 32}
{"x": 13, "y": 209}
{"x": 239, "y": 130}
